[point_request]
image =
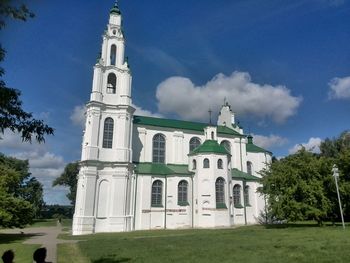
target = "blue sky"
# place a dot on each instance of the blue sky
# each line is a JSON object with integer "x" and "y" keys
{"x": 284, "y": 66}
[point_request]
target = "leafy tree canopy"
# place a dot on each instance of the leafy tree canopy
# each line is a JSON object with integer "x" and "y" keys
{"x": 69, "y": 178}
{"x": 21, "y": 196}
{"x": 301, "y": 186}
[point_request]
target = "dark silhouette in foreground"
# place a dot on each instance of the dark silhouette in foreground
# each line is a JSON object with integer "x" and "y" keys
{"x": 8, "y": 256}
{"x": 39, "y": 255}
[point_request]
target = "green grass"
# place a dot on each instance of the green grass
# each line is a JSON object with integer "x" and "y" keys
{"x": 295, "y": 243}
{"x": 70, "y": 253}
{"x": 23, "y": 253}
{"x": 44, "y": 223}
{"x": 67, "y": 223}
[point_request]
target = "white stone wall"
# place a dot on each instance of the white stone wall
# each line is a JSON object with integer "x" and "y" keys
{"x": 177, "y": 145}
{"x": 170, "y": 215}
{"x": 259, "y": 162}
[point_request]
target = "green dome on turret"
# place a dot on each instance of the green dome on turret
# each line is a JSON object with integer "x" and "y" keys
{"x": 115, "y": 9}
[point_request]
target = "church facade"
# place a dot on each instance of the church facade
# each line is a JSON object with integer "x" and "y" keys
{"x": 139, "y": 173}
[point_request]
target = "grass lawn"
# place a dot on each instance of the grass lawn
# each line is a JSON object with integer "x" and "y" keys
{"x": 294, "y": 243}
{"x": 23, "y": 253}
{"x": 44, "y": 223}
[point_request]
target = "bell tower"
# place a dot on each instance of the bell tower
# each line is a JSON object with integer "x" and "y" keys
{"x": 103, "y": 202}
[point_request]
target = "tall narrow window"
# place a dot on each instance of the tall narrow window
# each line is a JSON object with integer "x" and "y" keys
{"x": 220, "y": 166}
{"x": 206, "y": 163}
{"x": 113, "y": 54}
{"x": 108, "y": 133}
{"x": 246, "y": 195}
{"x": 194, "y": 143}
{"x": 157, "y": 190}
{"x": 227, "y": 145}
{"x": 220, "y": 191}
{"x": 159, "y": 148}
{"x": 237, "y": 195}
{"x": 212, "y": 135}
{"x": 194, "y": 165}
{"x": 111, "y": 83}
{"x": 182, "y": 193}
{"x": 249, "y": 167}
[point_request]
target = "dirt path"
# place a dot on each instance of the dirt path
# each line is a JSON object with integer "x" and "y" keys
{"x": 44, "y": 236}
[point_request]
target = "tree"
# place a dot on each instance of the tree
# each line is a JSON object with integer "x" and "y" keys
{"x": 301, "y": 186}
{"x": 69, "y": 178}
{"x": 14, "y": 211}
{"x": 33, "y": 192}
{"x": 21, "y": 196}
{"x": 338, "y": 151}
{"x": 294, "y": 187}
{"x": 12, "y": 116}
{"x": 333, "y": 147}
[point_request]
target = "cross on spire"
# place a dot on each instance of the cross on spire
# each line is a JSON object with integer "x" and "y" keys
{"x": 209, "y": 111}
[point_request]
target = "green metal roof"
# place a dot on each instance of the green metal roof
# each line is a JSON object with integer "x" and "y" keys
{"x": 161, "y": 169}
{"x": 182, "y": 125}
{"x": 237, "y": 174}
{"x": 115, "y": 9}
{"x": 251, "y": 147}
{"x": 210, "y": 146}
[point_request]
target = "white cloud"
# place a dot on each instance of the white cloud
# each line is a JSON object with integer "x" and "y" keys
{"x": 339, "y": 88}
{"x": 38, "y": 159}
{"x": 270, "y": 141}
{"x": 78, "y": 115}
{"x": 143, "y": 112}
{"x": 179, "y": 95}
{"x": 12, "y": 141}
{"x": 313, "y": 145}
{"x": 44, "y": 165}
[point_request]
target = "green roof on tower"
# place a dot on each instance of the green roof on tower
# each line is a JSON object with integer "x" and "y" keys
{"x": 115, "y": 9}
{"x": 251, "y": 147}
{"x": 210, "y": 146}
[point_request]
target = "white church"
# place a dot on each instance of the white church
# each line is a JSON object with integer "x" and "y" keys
{"x": 139, "y": 173}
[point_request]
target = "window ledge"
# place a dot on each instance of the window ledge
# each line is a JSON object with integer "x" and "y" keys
{"x": 183, "y": 203}
{"x": 157, "y": 206}
{"x": 238, "y": 206}
{"x": 221, "y": 206}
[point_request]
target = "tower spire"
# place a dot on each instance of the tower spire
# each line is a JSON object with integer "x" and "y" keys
{"x": 115, "y": 9}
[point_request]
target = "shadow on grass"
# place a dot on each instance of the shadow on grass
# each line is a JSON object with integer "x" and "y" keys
{"x": 15, "y": 237}
{"x": 111, "y": 259}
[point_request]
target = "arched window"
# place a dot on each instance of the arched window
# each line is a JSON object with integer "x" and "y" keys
{"x": 237, "y": 195}
{"x": 194, "y": 165}
{"x": 249, "y": 167}
{"x": 182, "y": 193}
{"x": 227, "y": 145}
{"x": 246, "y": 195}
{"x": 220, "y": 191}
{"x": 157, "y": 192}
{"x": 111, "y": 83}
{"x": 212, "y": 135}
{"x": 108, "y": 133}
{"x": 113, "y": 54}
{"x": 206, "y": 163}
{"x": 220, "y": 166}
{"x": 159, "y": 148}
{"x": 194, "y": 143}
